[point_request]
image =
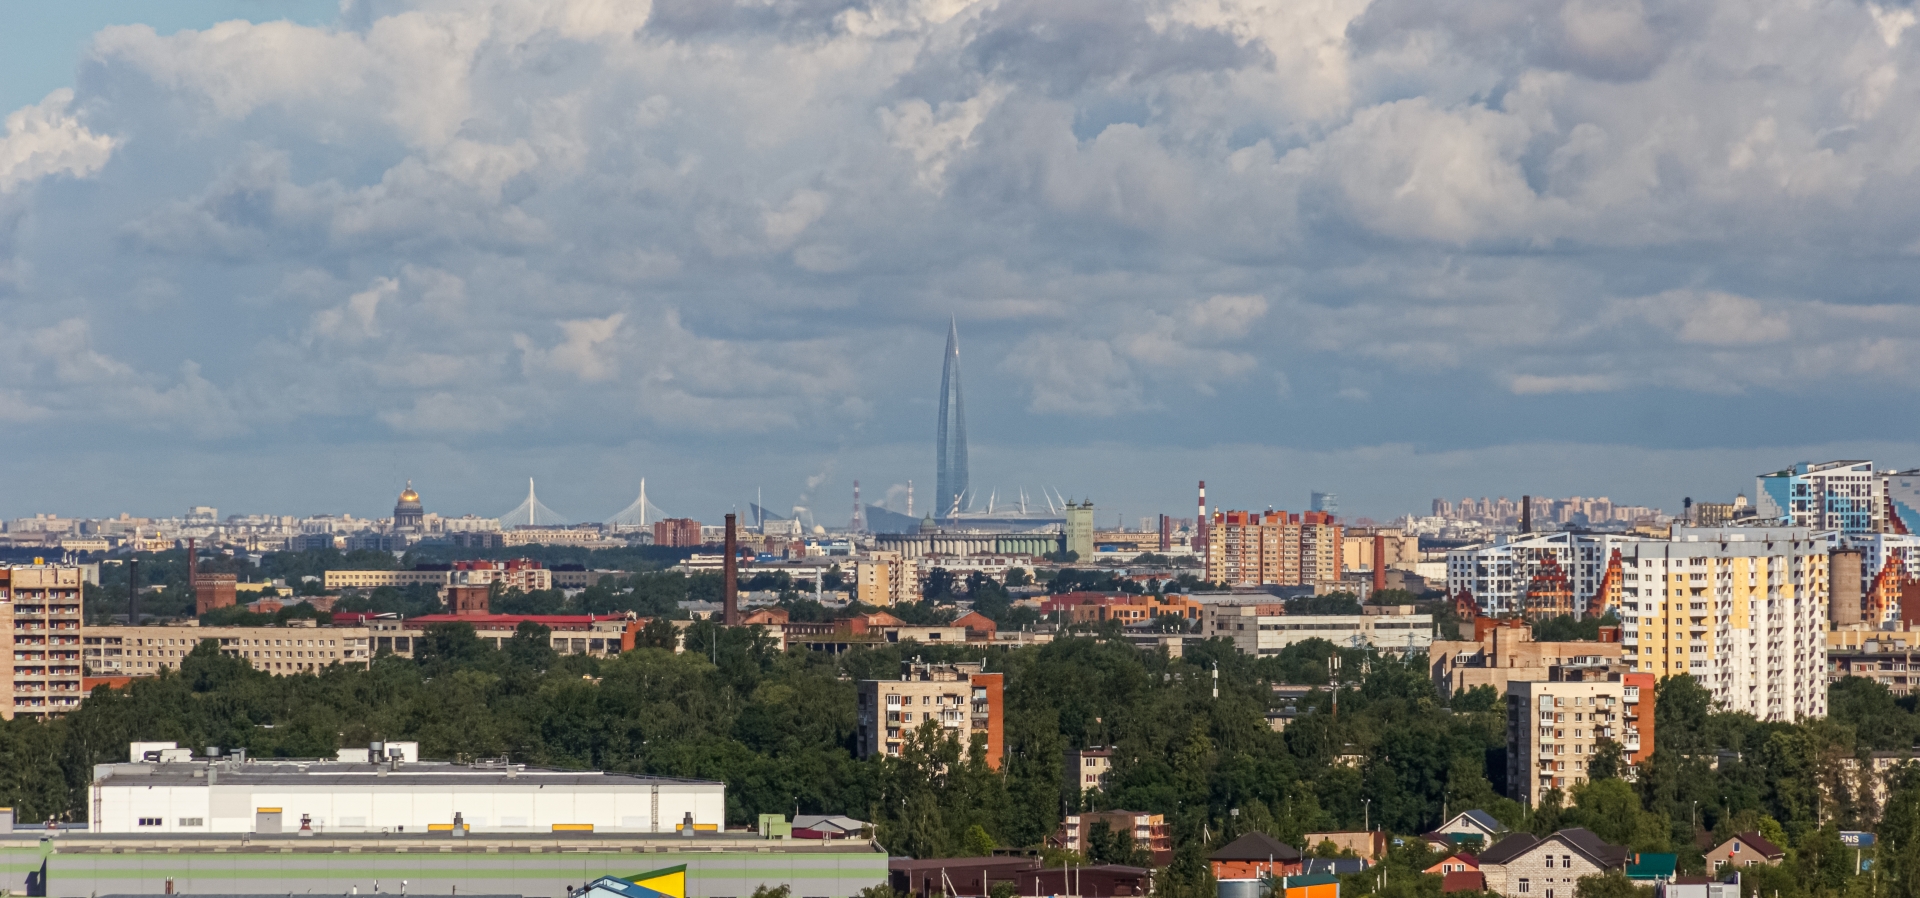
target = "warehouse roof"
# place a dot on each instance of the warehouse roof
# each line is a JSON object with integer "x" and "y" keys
{"x": 76, "y": 843}
{"x": 285, "y": 773}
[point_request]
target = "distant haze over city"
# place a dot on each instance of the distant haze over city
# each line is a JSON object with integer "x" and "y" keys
{"x": 285, "y": 266}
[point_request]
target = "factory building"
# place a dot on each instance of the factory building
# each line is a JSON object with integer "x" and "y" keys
{"x": 163, "y": 789}
{"x": 378, "y": 820}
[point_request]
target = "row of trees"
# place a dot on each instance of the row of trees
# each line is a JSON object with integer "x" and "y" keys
{"x": 779, "y": 729}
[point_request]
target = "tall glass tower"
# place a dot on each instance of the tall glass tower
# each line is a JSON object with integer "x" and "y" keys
{"x": 950, "y": 486}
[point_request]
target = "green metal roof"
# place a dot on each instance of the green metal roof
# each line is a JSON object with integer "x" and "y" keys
{"x": 1651, "y": 866}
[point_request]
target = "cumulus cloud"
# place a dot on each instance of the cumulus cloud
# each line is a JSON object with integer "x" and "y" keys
{"x": 47, "y": 139}
{"x": 581, "y": 353}
{"x": 715, "y": 220}
{"x": 1192, "y": 346}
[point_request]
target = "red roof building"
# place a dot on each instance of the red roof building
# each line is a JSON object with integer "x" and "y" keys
{"x": 510, "y": 622}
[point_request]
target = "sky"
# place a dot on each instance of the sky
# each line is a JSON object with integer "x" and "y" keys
{"x": 283, "y": 257}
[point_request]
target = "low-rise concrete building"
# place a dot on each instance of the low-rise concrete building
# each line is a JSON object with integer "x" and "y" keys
{"x": 1369, "y": 845}
{"x": 1088, "y": 769}
{"x": 1264, "y": 628}
{"x": 357, "y": 793}
{"x": 1148, "y": 831}
{"x": 333, "y": 580}
{"x": 291, "y": 648}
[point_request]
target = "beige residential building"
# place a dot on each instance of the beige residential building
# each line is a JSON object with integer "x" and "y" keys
{"x": 960, "y": 698}
{"x": 1088, "y": 768}
{"x": 376, "y": 579}
{"x": 146, "y": 651}
{"x": 1265, "y": 628}
{"x": 1552, "y": 728}
{"x": 1522, "y": 865}
{"x": 40, "y": 607}
{"x": 1402, "y": 549}
{"x": 886, "y": 578}
{"x": 1503, "y": 653}
{"x": 570, "y": 634}
{"x": 518, "y": 573}
{"x": 1742, "y": 609}
{"x": 587, "y": 536}
{"x": 1247, "y": 548}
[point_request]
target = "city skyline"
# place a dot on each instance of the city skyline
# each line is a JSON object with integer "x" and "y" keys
{"x": 1238, "y": 477}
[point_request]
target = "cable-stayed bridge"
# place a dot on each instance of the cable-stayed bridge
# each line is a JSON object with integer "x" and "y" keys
{"x": 533, "y": 513}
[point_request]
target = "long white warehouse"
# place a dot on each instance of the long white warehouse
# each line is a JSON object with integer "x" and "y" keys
{"x": 169, "y": 792}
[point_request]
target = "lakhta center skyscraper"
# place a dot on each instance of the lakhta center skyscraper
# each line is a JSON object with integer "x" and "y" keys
{"x": 950, "y": 484}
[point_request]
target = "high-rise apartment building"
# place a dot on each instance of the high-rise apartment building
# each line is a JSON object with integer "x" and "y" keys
{"x": 1869, "y": 576}
{"x": 1319, "y": 549}
{"x": 1539, "y": 575}
{"x": 677, "y": 532}
{"x": 40, "y": 607}
{"x": 1246, "y": 548}
{"x": 1899, "y": 498}
{"x": 961, "y": 699}
{"x": 1835, "y": 495}
{"x": 1742, "y": 609}
{"x": 1553, "y": 728}
{"x": 884, "y": 578}
{"x": 1401, "y": 550}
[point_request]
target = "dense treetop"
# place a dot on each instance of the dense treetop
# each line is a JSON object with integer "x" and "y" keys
{"x": 778, "y": 729}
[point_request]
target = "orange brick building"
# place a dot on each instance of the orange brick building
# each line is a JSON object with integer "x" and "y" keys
{"x": 1096, "y": 607}
{"x": 677, "y": 532}
{"x": 212, "y": 591}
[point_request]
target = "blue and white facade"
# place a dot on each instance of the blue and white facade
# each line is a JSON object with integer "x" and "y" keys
{"x": 1835, "y": 495}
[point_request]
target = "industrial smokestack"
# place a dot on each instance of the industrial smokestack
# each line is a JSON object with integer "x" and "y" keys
{"x": 859, "y": 523}
{"x": 1200, "y": 526}
{"x": 193, "y": 574}
{"x": 1526, "y": 514}
{"x": 1379, "y": 562}
{"x": 1845, "y": 573}
{"x": 133, "y": 591}
{"x": 731, "y": 583}
{"x": 1166, "y": 534}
